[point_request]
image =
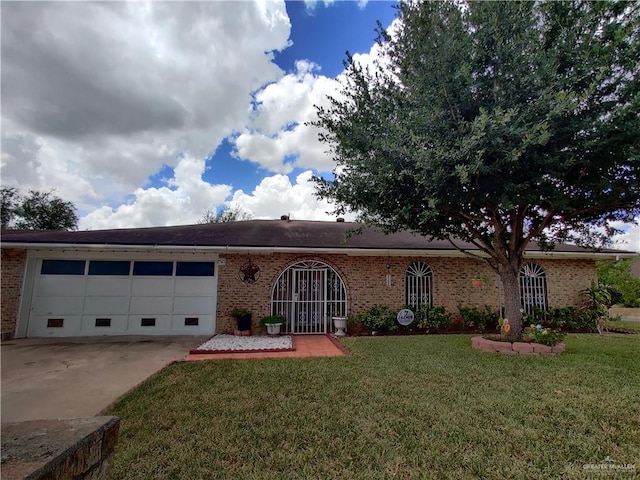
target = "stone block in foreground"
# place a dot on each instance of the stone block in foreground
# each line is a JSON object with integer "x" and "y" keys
{"x": 76, "y": 448}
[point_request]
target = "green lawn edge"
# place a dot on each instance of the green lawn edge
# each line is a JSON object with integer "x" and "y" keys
{"x": 397, "y": 407}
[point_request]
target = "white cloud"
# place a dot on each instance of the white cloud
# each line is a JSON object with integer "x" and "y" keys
{"x": 312, "y": 4}
{"x": 100, "y": 95}
{"x": 278, "y": 139}
{"x": 630, "y": 238}
{"x": 276, "y": 196}
{"x": 183, "y": 201}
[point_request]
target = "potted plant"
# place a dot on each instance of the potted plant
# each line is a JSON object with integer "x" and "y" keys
{"x": 479, "y": 280}
{"x": 243, "y": 318}
{"x": 273, "y": 323}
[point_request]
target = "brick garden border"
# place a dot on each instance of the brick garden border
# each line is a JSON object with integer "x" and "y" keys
{"x": 515, "y": 348}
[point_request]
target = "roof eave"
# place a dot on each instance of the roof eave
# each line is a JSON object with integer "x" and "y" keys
{"x": 262, "y": 250}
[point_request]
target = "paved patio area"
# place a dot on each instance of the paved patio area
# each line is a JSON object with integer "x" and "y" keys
{"x": 306, "y": 346}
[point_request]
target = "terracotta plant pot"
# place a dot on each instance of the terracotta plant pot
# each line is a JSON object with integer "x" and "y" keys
{"x": 477, "y": 283}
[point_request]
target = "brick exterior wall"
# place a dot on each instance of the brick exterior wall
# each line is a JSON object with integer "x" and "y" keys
{"x": 11, "y": 276}
{"x": 364, "y": 278}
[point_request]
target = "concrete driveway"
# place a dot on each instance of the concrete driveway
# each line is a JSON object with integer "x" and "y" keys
{"x": 50, "y": 378}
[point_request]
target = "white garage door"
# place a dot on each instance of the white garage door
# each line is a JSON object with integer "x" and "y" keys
{"x": 73, "y": 297}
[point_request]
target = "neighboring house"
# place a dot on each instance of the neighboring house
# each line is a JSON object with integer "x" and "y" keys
{"x": 188, "y": 279}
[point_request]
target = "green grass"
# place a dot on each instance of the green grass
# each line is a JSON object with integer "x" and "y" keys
{"x": 623, "y": 326}
{"x": 398, "y": 407}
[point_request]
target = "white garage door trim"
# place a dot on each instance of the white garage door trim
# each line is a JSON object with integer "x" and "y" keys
{"x": 138, "y": 303}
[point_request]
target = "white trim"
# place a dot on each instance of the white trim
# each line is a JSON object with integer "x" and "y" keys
{"x": 122, "y": 254}
{"x": 358, "y": 252}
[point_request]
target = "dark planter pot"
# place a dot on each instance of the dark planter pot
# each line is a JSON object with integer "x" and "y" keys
{"x": 244, "y": 323}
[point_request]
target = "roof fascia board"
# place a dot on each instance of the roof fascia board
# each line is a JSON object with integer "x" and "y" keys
{"x": 373, "y": 252}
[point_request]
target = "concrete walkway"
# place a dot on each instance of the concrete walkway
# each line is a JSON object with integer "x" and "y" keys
{"x": 51, "y": 378}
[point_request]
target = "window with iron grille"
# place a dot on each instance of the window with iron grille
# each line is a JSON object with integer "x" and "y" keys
{"x": 419, "y": 284}
{"x": 533, "y": 288}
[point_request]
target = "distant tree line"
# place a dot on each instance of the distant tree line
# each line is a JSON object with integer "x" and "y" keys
{"x": 225, "y": 214}
{"x": 36, "y": 211}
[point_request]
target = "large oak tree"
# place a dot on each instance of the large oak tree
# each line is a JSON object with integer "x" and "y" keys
{"x": 496, "y": 123}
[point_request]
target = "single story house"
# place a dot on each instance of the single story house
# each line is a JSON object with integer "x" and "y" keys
{"x": 188, "y": 279}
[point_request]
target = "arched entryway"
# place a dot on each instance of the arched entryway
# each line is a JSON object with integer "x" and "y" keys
{"x": 308, "y": 294}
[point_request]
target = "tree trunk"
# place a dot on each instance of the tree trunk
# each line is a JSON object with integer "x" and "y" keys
{"x": 509, "y": 274}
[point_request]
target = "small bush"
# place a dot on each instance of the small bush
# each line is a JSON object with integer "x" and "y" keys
{"x": 477, "y": 319}
{"x": 432, "y": 319}
{"x": 378, "y": 318}
{"x": 569, "y": 319}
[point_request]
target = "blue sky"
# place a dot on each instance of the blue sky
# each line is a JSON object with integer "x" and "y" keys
{"x": 321, "y": 34}
{"x": 150, "y": 113}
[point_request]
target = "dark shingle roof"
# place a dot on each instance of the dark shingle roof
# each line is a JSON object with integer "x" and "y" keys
{"x": 251, "y": 233}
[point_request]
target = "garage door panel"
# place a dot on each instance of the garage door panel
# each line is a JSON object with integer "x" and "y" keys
{"x": 60, "y": 285}
{"x": 66, "y": 325}
{"x": 200, "y": 305}
{"x": 58, "y": 305}
{"x": 107, "y": 301}
{"x": 106, "y": 305}
{"x": 195, "y": 286}
{"x": 192, "y": 324}
{"x": 104, "y": 324}
{"x": 109, "y": 286}
{"x": 144, "y": 305}
{"x": 146, "y": 286}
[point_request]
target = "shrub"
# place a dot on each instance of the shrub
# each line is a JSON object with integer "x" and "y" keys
{"x": 477, "y": 319}
{"x": 432, "y": 319}
{"x": 378, "y": 318}
{"x": 570, "y": 319}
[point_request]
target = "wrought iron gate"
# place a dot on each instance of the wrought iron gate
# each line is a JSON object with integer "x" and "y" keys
{"x": 308, "y": 294}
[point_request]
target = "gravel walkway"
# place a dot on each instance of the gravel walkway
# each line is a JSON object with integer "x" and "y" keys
{"x": 256, "y": 342}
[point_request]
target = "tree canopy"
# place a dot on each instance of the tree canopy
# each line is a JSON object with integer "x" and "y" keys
{"x": 497, "y": 123}
{"x": 619, "y": 277}
{"x": 225, "y": 214}
{"x": 36, "y": 211}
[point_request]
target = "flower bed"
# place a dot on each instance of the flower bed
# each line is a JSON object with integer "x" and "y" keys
{"x": 515, "y": 348}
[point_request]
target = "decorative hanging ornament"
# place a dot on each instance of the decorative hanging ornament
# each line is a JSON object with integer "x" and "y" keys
{"x": 249, "y": 272}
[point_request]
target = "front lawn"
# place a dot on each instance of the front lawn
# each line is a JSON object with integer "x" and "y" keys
{"x": 398, "y": 407}
{"x": 623, "y": 326}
